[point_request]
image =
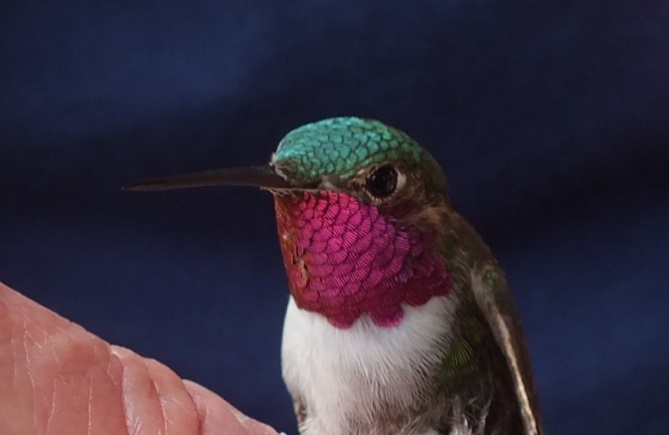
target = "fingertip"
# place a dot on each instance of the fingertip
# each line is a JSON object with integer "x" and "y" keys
{"x": 155, "y": 399}
{"x": 216, "y": 413}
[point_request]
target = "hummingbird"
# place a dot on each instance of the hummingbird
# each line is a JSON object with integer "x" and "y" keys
{"x": 399, "y": 320}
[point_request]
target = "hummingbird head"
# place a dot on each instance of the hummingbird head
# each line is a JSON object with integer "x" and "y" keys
{"x": 360, "y": 213}
{"x": 373, "y": 162}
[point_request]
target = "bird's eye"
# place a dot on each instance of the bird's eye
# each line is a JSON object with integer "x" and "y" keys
{"x": 382, "y": 182}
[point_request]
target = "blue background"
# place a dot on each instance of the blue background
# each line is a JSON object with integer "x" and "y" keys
{"x": 549, "y": 118}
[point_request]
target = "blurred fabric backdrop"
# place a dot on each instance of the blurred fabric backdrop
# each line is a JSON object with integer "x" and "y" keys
{"x": 549, "y": 118}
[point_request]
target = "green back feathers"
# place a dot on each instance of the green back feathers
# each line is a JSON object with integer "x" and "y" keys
{"x": 341, "y": 146}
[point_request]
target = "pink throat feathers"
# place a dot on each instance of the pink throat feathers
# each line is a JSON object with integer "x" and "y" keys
{"x": 345, "y": 258}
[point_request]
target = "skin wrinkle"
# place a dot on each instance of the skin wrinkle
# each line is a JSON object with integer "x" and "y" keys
{"x": 163, "y": 418}
{"x": 115, "y": 361}
{"x": 240, "y": 417}
{"x": 15, "y": 359}
{"x": 29, "y": 366}
{"x": 90, "y": 405}
{"x": 174, "y": 398}
{"x": 74, "y": 359}
{"x": 13, "y": 346}
{"x": 13, "y": 339}
{"x": 52, "y": 407}
{"x": 133, "y": 424}
{"x": 165, "y": 396}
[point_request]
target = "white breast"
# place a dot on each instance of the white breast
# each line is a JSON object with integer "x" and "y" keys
{"x": 344, "y": 376}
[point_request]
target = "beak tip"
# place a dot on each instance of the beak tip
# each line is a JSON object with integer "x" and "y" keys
{"x": 131, "y": 188}
{"x": 142, "y": 186}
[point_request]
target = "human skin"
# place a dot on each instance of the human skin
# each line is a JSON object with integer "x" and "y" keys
{"x": 57, "y": 378}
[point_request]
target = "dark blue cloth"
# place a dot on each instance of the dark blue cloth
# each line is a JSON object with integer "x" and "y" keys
{"x": 549, "y": 118}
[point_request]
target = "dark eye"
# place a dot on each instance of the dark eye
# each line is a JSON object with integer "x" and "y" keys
{"x": 382, "y": 182}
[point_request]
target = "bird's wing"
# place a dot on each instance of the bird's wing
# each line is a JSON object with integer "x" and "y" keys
{"x": 496, "y": 305}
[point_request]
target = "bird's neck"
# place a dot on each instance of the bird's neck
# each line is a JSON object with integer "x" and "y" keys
{"x": 345, "y": 258}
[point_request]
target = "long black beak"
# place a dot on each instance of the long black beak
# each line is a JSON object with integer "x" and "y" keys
{"x": 258, "y": 176}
